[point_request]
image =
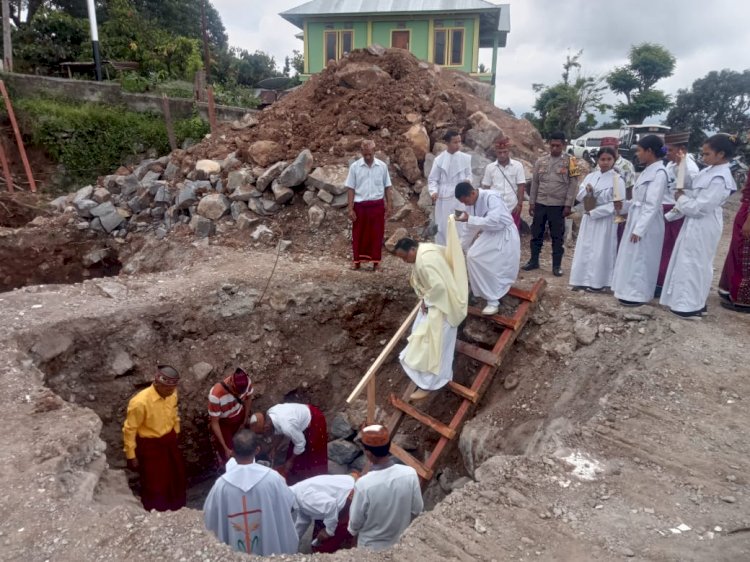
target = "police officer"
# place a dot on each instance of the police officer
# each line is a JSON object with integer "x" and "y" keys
{"x": 554, "y": 186}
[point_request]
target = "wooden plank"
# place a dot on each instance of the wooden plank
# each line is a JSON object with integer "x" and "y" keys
{"x": 503, "y": 321}
{"x": 19, "y": 139}
{"x": 421, "y": 417}
{"x": 394, "y": 422}
{"x": 383, "y": 355}
{"x": 463, "y": 392}
{"x": 523, "y": 295}
{"x": 477, "y": 353}
{"x": 409, "y": 460}
{"x": 371, "y": 399}
{"x": 6, "y": 168}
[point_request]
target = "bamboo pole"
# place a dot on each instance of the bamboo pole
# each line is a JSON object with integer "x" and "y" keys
{"x": 19, "y": 139}
{"x": 375, "y": 367}
{"x": 371, "y": 399}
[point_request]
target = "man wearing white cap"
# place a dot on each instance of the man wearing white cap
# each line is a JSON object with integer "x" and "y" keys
{"x": 387, "y": 498}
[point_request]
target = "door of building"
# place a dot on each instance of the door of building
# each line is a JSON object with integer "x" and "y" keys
{"x": 400, "y": 39}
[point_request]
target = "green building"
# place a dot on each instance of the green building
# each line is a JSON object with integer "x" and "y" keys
{"x": 448, "y": 33}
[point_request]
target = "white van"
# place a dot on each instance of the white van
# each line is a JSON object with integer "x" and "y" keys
{"x": 587, "y": 146}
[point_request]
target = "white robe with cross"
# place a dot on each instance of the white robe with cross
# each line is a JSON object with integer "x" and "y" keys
{"x": 250, "y": 509}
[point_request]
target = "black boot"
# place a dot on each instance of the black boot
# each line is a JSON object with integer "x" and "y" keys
{"x": 557, "y": 269}
{"x": 533, "y": 262}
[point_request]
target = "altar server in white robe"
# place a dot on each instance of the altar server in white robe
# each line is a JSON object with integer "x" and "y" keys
{"x": 450, "y": 168}
{"x": 637, "y": 265}
{"x": 491, "y": 242}
{"x": 596, "y": 245}
{"x": 439, "y": 278}
{"x": 690, "y": 271}
{"x": 250, "y": 506}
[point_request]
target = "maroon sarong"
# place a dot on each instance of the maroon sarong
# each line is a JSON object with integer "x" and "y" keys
{"x": 228, "y": 427}
{"x": 314, "y": 459}
{"x": 620, "y": 232}
{"x": 517, "y": 219}
{"x": 671, "y": 232}
{"x": 341, "y": 539}
{"x": 368, "y": 231}
{"x": 162, "y": 472}
{"x": 735, "y": 276}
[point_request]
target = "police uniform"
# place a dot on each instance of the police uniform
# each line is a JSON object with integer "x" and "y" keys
{"x": 554, "y": 186}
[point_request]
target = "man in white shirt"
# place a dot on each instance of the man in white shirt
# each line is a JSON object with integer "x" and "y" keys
{"x": 250, "y": 507}
{"x": 508, "y": 178}
{"x": 369, "y": 192}
{"x": 387, "y": 498}
{"x": 326, "y": 500}
{"x": 305, "y": 426}
{"x": 450, "y": 168}
{"x": 491, "y": 243}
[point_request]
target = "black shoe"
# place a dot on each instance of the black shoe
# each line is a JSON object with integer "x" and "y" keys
{"x": 557, "y": 271}
{"x": 631, "y": 304}
{"x": 729, "y": 305}
{"x": 595, "y": 289}
{"x": 693, "y": 314}
{"x": 724, "y": 295}
{"x": 531, "y": 265}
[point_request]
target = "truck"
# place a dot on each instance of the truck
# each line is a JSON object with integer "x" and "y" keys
{"x": 631, "y": 134}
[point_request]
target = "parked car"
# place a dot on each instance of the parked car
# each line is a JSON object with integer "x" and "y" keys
{"x": 587, "y": 146}
{"x": 631, "y": 134}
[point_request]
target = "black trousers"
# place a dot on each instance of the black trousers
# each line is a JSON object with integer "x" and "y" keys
{"x": 544, "y": 214}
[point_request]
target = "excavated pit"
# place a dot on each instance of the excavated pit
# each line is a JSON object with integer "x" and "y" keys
{"x": 315, "y": 352}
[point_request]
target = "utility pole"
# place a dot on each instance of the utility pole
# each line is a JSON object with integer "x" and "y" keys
{"x": 206, "y": 50}
{"x": 7, "y": 46}
{"x": 94, "y": 39}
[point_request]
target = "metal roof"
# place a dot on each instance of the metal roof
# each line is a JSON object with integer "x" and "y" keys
{"x": 499, "y": 13}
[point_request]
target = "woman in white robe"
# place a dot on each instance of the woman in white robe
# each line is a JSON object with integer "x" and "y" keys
{"x": 690, "y": 273}
{"x": 637, "y": 264}
{"x": 596, "y": 245}
{"x": 491, "y": 243}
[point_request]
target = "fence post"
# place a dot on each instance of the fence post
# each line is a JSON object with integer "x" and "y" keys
{"x": 19, "y": 140}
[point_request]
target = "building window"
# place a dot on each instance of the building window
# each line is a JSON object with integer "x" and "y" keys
{"x": 401, "y": 39}
{"x": 449, "y": 47}
{"x": 338, "y": 43}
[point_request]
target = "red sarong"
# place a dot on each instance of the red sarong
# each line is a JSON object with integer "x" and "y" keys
{"x": 314, "y": 459}
{"x": 228, "y": 427}
{"x": 517, "y": 219}
{"x": 341, "y": 539}
{"x": 735, "y": 277}
{"x": 368, "y": 231}
{"x": 620, "y": 232}
{"x": 671, "y": 232}
{"x": 162, "y": 472}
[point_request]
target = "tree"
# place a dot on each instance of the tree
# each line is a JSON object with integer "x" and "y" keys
{"x": 561, "y": 107}
{"x": 298, "y": 61}
{"x": 648, "y": 63}
{"x": 720, "y": 101}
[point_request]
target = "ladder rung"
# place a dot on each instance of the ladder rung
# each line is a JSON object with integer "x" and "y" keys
{"x": 523, "y": 295}
{"x": 423, "y": 472}
{"x": 481, "y": 355}
{"x": 464, "y": 392}
{"x": 503, "y": 321}
{"x": 423, "y": 418}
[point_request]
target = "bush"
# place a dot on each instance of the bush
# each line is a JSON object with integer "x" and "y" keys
{"x": 90, "y": 139}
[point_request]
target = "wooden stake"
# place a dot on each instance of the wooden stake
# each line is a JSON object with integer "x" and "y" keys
{"x": 371, "y": 399}
{"x": 19, "y": 139}
{"x": 375, "y": 367}
{"x": 6, "y": 169}
{"x": 212, "y": 110}
{"x": 168, "y": 119}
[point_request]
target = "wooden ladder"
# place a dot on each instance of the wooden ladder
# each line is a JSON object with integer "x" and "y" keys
{"x": 470, "y": 396}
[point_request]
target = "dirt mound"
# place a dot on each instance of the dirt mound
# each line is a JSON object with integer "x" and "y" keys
{"x": 380, "y": 97}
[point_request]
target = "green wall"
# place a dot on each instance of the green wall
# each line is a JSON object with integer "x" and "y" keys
{"x": 381, "y": 34}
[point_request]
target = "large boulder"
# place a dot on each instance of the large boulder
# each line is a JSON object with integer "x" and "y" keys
{"x": 342, "y": 451}
{"x": 214, "y": 206}
{"x": 419, "y": 140}
{"x": 269, "y": 176}
{"x": 429, "y": 161}
{"x": 187, "y": 197}
{"x": 296, "y": 173}
{"x": 206, "y": 168}
{"x": 483, "y": 133}
{"x": 330, "y": 178}
{"x": 201, "y": 226}
{"x": 265, "y": 152}
{"x": 361, "y": 76}
{"x": 281, "y": 193}
{"x": 407, "y": 164}
{"x": 244, "y": 192}
{"x": 239, "y": 178}
{"x": 316, "y": 215}
{"x": 400, "y": 233}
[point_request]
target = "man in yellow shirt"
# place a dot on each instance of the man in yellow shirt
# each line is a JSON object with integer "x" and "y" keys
{"x": 150, "y": 438}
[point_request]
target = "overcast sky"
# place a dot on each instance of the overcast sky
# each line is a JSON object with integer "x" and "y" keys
{"x": 703, "y": 36}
